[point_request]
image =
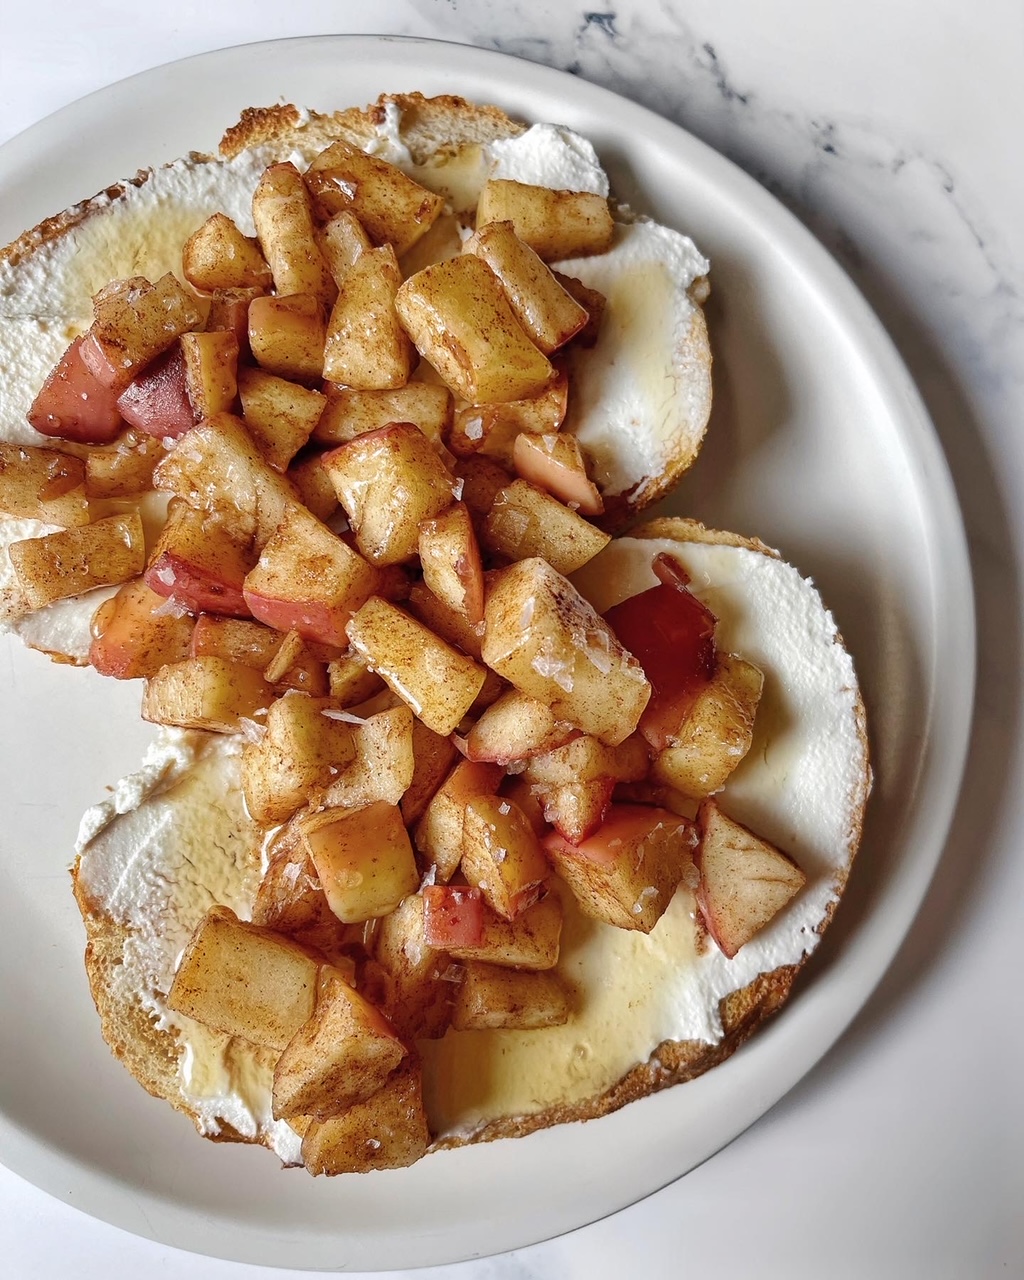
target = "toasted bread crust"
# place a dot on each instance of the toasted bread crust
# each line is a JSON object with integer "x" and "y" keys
{"x": 427, "y": 125}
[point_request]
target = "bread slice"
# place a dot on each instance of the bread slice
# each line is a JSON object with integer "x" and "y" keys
{"x": 814, "y": 811}
{"x": 138, "y": 226}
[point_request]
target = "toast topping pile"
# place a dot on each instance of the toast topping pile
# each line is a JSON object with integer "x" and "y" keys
{"x": 362, "y": 417}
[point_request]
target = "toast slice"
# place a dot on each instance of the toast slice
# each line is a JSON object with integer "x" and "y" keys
{"x": 811, "y": 802}
{"x": 138, "y": 226}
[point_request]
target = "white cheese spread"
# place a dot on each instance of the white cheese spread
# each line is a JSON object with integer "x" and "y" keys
{"x": 170, "y": 842}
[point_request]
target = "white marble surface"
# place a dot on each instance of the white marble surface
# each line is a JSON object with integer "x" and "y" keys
{"x": 890, "y": 127}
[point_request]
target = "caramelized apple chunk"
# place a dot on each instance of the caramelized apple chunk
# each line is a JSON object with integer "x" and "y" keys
{"x": 548, "y": 642}
{"x": 626, "y": 873}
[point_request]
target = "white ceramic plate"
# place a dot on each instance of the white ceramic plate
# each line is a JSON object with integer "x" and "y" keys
{"x": 818, "y": 444}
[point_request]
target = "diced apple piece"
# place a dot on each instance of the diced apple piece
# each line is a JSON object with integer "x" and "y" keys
{"x": 218, "y": 468}
{"x": 296, "y": 666}
{"x": 457, "y": 314}
{"x": 211, "y": 371}
{"x": 626, "y": 873}
{"x": 441, "y": 242}
{"x": 554, "y": 463}
{"x": 157, "y": 401}
{"x": 391, "y": 206}
{"x": 491, "y": 997}
{"x": 526, "y": 522}
{"x": 450, "y": 558}
{"x": 287, "y": 334}
{"x": 516, "y": 727}
{"x": 434, "y": 756}
{"x": 349, "y": 413}
{"x": 388, "y": 481}
{"x": 384, "y": 763}
{"x": 280, "y": 415}
{"x": 313, "y": 485}
{"x": 42, "y": 484}
{"x": 453, "y": 916}
{"x": 218, "y": 256}
{"x": 492, "y": 429}
{"x": 244, "y": 980}
{"x": 549, "y": 314}
{"x": 283, "y": 215}
{"x": 363, "y": 859}
{"x": 73, "y": 404}
{"x": 297, "y": 758}
{"x": 530, "y": 941}
{"x": 744, "y": 881}
{"x": 672, "y": 635}
{"x": 592, "y": 299}
{"x": 341, "y": 240}
{"x": 501, "y": 855}
{"x": 443, "y": 620}
{"x": 577, "y": 810}
{"x": 290, "y": 898}
{"x": 387, "y": 1131}
{"x": 716, "y": 734}
{"x": 352, "y": 681}
{"x": 134, "y": 634}
{"x": 308, "y": 580}
{"x": 575, "y": 782}
{"x": 439, "y": 833}
{"x": 480, "y": 480}
{"x": 366, "y": 347}
{"x": 341, "y": 1056}
{"x": 545, "y": 639}
{"x": 239, "y": 639}
{"x": 198, "y": 564}
{"x": 555, "y": 224}
{"x": 517, "y": 788}
{"x": 205, "y": 693}
{"x": 123, "y": 469}
{"x": 229, "y": 313}
{"x": 419, "y": 992}
{"x": 72, "y": 561}
{"x": 438, "y": 683}
{"x": 134, "y": 322}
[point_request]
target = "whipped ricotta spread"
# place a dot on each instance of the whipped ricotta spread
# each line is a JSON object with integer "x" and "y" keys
{"x": 174, "y": 839}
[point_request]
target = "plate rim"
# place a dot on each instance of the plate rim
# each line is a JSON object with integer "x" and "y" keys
{"x": 54, "y": 1171}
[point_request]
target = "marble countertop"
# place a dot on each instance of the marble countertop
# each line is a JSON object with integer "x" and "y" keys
{"x": 890, "y": 128}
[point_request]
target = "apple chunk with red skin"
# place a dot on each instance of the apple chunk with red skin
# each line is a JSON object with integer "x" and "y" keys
{"x": 308, "y": 580}
{"x": 199, "y": 564}
{"x": 672, "y": 635}
{"x": 744, "y": 881}
{"x": 157, "y": 401}
{"x": 134, "y": 635}
{"x": 626, "y": 872}
{"x": 73, "y": 404}
{"x": 453, "y": 916}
